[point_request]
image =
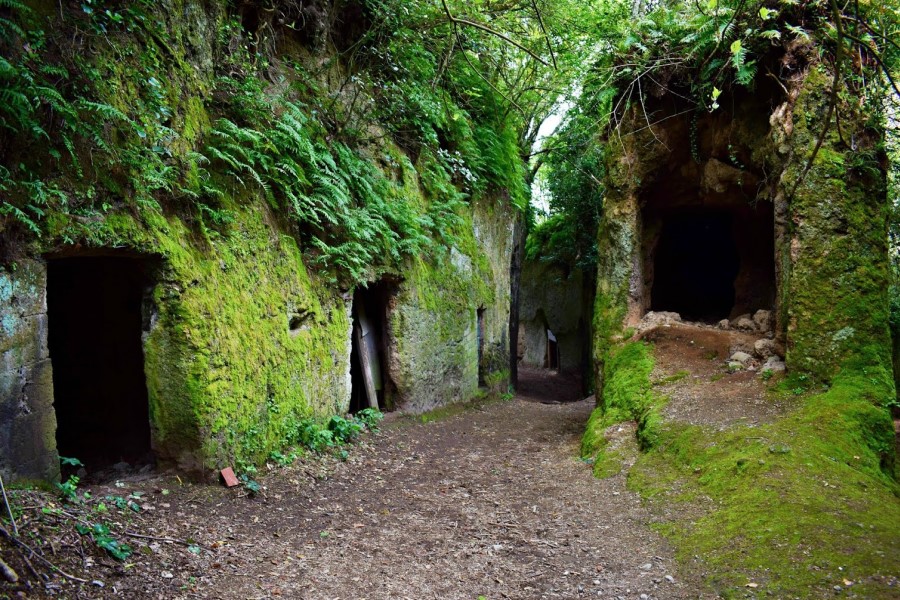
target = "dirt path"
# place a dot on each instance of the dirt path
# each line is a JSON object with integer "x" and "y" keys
{"x": 491, "y": 502}
{"x": 690, "y": 370}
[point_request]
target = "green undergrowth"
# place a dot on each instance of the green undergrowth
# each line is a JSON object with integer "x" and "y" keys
{"x": 672, "y": 378}
{"x": 321, "y": 436}
{"x": 627, "y": 395}
{"x": 117, "y": 120}
{"x": 796, "y": 507}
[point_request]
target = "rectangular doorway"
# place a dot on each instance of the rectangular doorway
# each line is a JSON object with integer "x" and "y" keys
{"x": 95, "y": 308}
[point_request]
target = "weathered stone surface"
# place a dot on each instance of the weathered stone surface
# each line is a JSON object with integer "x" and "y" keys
{"x": 741, "y": 346}
{"x": 764, "y": 348}
{"x": 773, "y": 364}
{"x": 656, "y": 318}
{"x": 724, "y": 324}
{"x": 741, "y": 357}
{"x": 27, "y": 419}
{"x": 763, "y": 320}
{"x": 836, "y": 307}
{"x": 433, "y": 322}
{"x": 744, "y": 324}
{"x": 550, "y": 300}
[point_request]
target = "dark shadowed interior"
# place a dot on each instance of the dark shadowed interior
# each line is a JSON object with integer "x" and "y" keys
{"x": 696, "y": 266}
{"x": 372, "y": 302}
{"x": 709, "y": 261}
{"x": 100, "y": 391}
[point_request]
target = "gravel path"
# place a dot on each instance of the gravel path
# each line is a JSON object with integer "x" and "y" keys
{"x": 691, "y": 371}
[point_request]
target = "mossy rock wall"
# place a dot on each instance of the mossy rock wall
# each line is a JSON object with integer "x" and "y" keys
{"x": 227, "y": 373}
{"x": 836, "y": 266}
{"x": 830, "y": 232}
{"x": 244, "y": 343}
{"x": 434, "y": 356}
{"x": 248, "y": 333}
{"x": 618, "y": 302}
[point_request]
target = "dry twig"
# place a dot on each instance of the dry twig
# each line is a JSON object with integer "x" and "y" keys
{"x": 12, "y": 519}
{"x": 23, "y": 546}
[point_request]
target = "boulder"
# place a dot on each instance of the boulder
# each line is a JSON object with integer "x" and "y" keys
{"x": 741, "y": 357}
{"x": 764, "y": 348}
{"x": 774, "y": 364}
{"x": 741, "y": 347}
{"x": 724, "y": 324}
{"x": 763, "y": 320}
{"x": 661, "y": 318}
{"x": 745, "y": 324}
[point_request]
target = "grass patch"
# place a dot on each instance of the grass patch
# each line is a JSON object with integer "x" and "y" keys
{"x": 447, "y": 411}
{"x": 672, "y": 378}
{"x": 797, "y": 506}
{"x": 627, "y": 395}
{"x": 608, "y": 463}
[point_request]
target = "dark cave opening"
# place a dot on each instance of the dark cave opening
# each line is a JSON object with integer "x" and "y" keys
{"x": 696, "y": 264}
{"x": 368, "y": 364}
{"x": 96, "y": 320}
{"x": 709, "y": 263}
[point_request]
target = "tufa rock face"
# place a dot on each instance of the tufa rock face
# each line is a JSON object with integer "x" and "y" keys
{"x": 551, "y": 300}
{"x": 27, "y": 420}
{"x": 763, "y": 320}
{"x": 433, "y": 356}
{"x": 765, "y": 348}
{"x": 824, "y": 289}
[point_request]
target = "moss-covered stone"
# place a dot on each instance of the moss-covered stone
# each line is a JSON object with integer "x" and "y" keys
{"x": 797, "y": 506}
{"x": 836, "y": 302}
{"x": 227, "y": 376}
{"x": 27, "y": 420}
{"x": 433, "y": 322}
{"x": 627, "y": 395}
{"x": 249, "y": 334}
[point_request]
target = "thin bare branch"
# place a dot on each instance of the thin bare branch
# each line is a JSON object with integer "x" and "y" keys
{"x": 546, "y": 35}
{"x": 884, "y": 67}
{"x": 31, "y": 553}
{"x": 494, "y": 32}
{"x": 478, "y": 71}
{"x": 835, "y": 86}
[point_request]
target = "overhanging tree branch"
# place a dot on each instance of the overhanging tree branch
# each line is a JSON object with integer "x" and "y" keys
{"x": 493, "y": 32}
{"x": 478, "y": 71}
{"x": 835, "y": 88}
{"x": 544, "y": 29}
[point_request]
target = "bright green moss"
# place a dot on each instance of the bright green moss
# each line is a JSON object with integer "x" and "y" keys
{"x": 796, "y": 506}
{"x": 836, "y": 293}
{"x": 227, "y": 377}
{"x": 628, "y": 395}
